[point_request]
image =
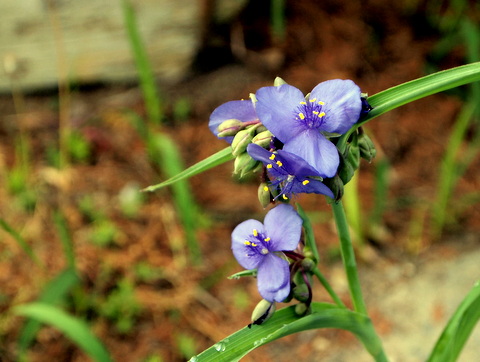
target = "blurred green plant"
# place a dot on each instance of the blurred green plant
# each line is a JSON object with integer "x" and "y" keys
{"x": 459, "y": 28}
{"x": 121, "y": 306}
{"x": 162, "y": 150}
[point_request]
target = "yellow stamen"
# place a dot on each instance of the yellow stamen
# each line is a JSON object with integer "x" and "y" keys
{"x": 246, "y": 242}
{"x": 255, "y": 233}
{"x": 303, "y": 103}
{"x": 321, "y": 103}
{"x": 315, "y": 113}
{"x": 279, "y": 164}
{"x": 285, "y": 197}
{"x": 272, "y": 156}
{"x": 266, "y": 239}
{"x": 313, "y": 100}
{"x": 265, "y": 188}
{"x": 322, "y": 114}
{"x": 269, "y": 166}
{"x": 301, "y": 115}
{"x": 253, "y": 244}
{"x": 305, "y": 182}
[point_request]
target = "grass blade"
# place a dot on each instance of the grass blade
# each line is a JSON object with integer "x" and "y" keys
{"x": 75, "y": 329}
{"x": 21, "y": 242}
{"x": 65, "y": 238}
{"x": 147, "y": 80}
{"x": 54, "y": 292}
{"x": 458, "y": 329}
{"x": 170, "y": 162}
{"x": 214, "y": 160}
{"x": 285, "y": 322}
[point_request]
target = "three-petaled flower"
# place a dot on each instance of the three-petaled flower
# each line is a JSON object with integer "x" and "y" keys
{"x": 290, "y": 173}
{"x": 260, "y": 246}
{"x": 301, "y": 123}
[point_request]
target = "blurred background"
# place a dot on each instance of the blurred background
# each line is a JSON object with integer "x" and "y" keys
{"x": 100, "y": 99}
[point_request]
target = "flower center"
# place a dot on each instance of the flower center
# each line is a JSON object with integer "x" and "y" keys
{"x": 310, "y": 114}
{"x": 258, "y": 243}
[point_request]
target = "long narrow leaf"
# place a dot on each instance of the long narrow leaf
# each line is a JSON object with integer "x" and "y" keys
{"x": 144, "y": 68}
{"x": 285, "y": 322}
{"x": 214, "y": 160}
{"x": 458, "y": 329}
{"x": 20, "y": 241}
{"x": 54, "y": 292}
{"x": 170, "y": 162}
{"x": 65, "y": 238}
{"x": 404, "y": 93}
{"x": 75, "y": 329}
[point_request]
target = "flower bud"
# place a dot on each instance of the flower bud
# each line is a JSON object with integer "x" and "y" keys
{"x": 366, "y": 147}
{"x": 241, "y": 140}
{"x": 302, "y": 309}
{"x": 349, "y": 163}
{"x": 308, "y": 264}
{"x": 301, "y": 293}
{"x": 263, "y": 139}
{"x": 262, "y": 312}
{"x": 244, "y": 164}
{"x": 264, "y": 195}
{"x": 336, "y": 185}
{"x": 230, "y": 127}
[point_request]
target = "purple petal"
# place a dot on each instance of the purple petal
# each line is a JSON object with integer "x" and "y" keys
{"x": 284, "y": 226}
{"x": 319, "y": 152}
{"x": 296, "y": 165}
{"x": 276, "y": 109}
{"x": 243, "y": 110}
{"x": 242, "y": 253}
{"x": 343, "y": 104}
{"x": 259, "y": 153}
{"x": 273, "y": 278}
{"x": 313, "y": 187}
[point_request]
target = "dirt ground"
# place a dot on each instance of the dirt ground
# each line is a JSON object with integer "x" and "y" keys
{"x": 409, "y": 275}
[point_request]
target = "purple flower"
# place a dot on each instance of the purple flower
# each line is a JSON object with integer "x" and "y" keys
{"x": 259, "y": 246}
{"x": 301, "y": 123}
{"x": 242, "y": 111}
{"x": 291, "y": 173}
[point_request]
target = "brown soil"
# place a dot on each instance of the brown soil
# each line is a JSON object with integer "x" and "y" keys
{"x": 376, "y": 44}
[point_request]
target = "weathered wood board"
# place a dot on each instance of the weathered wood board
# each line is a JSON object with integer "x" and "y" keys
{"x": 86, "y": 40}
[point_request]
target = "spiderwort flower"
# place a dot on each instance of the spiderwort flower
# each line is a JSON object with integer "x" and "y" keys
{"x": 288, "y": 171}
{"x": 259, "y": 246}
{"x": 301, "y": 123}
{"x": 242, "y": 111}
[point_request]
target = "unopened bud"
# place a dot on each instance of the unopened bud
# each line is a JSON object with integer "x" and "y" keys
{"x": 241, "y": 140}
{"x": 302, "y": 309}
{"x": 308, "y": 264}
{"x": 264, "y": 195}
{"x": 230, "y": 127}
{"x": 301, "y": 293}
{"x": 262, "y": 312}
{"x": 336, "y": 185}
{"x": 349, "y": 163}
{"x": 366, "y": 147}
{"x": 263, "y": 139}
{"x": 244, "y": 164}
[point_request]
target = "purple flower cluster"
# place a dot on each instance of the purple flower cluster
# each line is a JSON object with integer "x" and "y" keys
{"x": 298, "y": 157}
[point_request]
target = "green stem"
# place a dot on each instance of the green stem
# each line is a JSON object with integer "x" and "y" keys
{"x": 328, "y": 287}
{"x": 373, "y": 342}
{"x": 348, "y": 257}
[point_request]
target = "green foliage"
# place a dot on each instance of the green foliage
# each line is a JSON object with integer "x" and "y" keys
{"x": 186, "y": 345}
{"x": 72, "y": 327}
{"x": 20, "y": 241}
{"x": 458, "y": 329}
{"x": 121, "y": 306}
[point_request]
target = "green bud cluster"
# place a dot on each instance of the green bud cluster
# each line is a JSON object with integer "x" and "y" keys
{"x": 359, "y": 146}
{"x": 254, "y": 133}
